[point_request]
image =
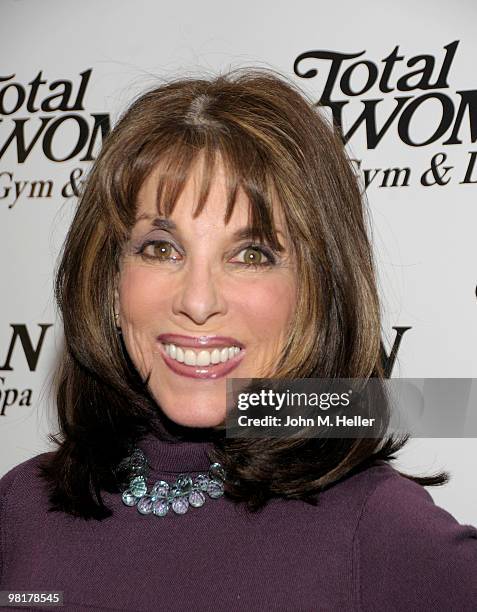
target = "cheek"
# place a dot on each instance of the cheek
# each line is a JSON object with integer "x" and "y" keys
{"x": 268, "y": 306}
{"x": 140, "y": 305}
{"x": 141, "y": 293}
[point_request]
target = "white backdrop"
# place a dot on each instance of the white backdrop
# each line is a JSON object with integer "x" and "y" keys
{"x": 109, "y": 51}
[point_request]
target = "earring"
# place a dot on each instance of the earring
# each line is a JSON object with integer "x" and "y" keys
{"x": 116, "y": 319}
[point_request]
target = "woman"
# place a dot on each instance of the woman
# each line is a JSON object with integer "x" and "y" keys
{"x": 221, "y": 234}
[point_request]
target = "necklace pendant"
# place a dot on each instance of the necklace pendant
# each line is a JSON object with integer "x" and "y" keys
{"x": 129, "y": 498}
{"x": 160, "y": 507}
{"x": 160, "y": 489}
{"x": 180, "y": 505}
{"x": 215, "y": 489}
{"x": 196, "y": 499}
{"x": 138, "y": 486}
{"x": 145, "y": 504}
{"x": 186, "y": 492}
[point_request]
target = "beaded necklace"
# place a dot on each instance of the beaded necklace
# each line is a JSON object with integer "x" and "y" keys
{"x": 185, "y": 492}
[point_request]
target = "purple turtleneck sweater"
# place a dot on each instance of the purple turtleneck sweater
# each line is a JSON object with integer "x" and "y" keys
{"x": 376, "y": 541}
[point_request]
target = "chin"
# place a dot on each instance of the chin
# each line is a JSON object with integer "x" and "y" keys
{"x": 196, "y": 417}
{"x": 204, "y": 421}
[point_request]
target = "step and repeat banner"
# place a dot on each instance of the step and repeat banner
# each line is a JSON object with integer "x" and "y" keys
{"x": 398, "y": 77}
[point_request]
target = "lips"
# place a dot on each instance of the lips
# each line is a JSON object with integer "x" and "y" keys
{"x": 199, "y": 342}
{"x": 211, "y": 371}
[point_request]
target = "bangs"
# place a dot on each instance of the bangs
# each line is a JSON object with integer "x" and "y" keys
{"x": 244, "y": 169}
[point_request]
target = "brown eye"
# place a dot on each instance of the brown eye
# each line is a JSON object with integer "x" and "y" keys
{"x": 255, "y": 257}
{"x": 160, "y": 250}
{"x": 252, "y": 256}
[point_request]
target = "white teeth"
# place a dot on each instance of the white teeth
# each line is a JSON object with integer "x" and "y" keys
{"x": 202, "y": 357}
{"x": 190, "y": 358}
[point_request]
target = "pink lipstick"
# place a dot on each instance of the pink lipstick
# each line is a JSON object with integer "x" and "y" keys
{"x": 211, "y": 371}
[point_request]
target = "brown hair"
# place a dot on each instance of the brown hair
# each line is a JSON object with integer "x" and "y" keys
{"x": 277, "y": 146}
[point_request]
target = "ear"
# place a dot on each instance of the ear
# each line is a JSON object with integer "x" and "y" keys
{"x": 117, "y": 311}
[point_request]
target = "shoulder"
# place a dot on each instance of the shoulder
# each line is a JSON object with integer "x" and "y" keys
{"x": 28, "y": 469}
{"x": 410, "y": 553}
{"x": 397, "y": 505}
{"x": 22, "y": 493}
{"x": 25, "y": 473}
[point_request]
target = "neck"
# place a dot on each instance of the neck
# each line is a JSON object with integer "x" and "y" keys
{"x": 170, "y": 431}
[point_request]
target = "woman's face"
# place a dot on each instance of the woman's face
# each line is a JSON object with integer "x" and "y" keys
{"x": 198, "y": 304}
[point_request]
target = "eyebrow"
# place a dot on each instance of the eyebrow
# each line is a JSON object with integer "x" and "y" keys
{"x": 166, "y": 224}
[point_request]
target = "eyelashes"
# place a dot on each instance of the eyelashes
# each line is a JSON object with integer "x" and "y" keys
{"x": 163, "y": 251}
{"x": 262, "y": 250}
{"x": 157, "y": 250}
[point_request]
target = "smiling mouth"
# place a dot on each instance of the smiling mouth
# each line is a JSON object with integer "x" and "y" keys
{"x": 202, "y": 357}
{"x": 205, "y": 364}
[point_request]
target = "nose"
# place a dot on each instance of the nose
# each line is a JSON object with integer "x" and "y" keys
{"x": 198, "y": 296}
